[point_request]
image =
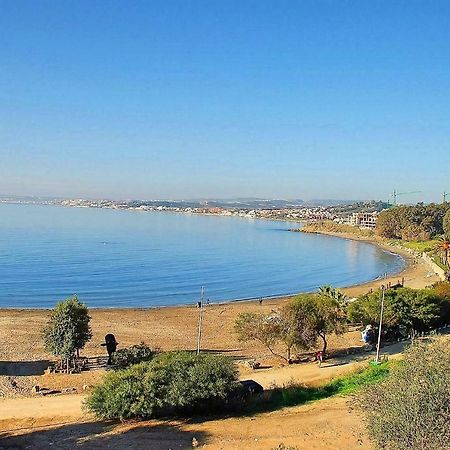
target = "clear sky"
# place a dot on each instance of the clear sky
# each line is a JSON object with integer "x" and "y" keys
{"x": 220, "y": 98}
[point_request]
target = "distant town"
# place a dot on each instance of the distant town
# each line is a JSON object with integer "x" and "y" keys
{"x": 357, "y": 213}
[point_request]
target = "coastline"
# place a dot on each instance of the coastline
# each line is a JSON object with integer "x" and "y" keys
{"x": 278, "y": 296}
{"x": 413, "y": 273}
{"x": 416, "y": 273}
{"x": 167, "y": 328}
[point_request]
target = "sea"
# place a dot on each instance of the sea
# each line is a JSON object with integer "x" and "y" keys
{"x": 126, "y": 258}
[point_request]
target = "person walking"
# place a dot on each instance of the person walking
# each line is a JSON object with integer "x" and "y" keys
{"x": 319, "y": 358}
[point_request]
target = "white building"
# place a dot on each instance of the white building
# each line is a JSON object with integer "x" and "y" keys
{"x": 364, "y": 220}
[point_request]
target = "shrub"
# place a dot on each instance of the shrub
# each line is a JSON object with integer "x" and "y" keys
{"x": 418, "y": 310}
{"x": 171, "y": 383}
{"x": 135, "y": 354}
{"x": 410, "y": 410}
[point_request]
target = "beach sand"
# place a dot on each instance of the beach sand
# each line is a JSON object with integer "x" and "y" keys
{"x": 175, "y": 327}
{"x": 35, "y": 422}
{"x": 172, "y": 328}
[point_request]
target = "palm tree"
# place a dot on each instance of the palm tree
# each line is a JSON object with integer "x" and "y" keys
{"x": 442, "y": 248}
{"x": 336, "y": 294}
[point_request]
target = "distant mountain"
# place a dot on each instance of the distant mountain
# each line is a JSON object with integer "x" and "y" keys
{"x": 236, "y": 203}
{"x": 330, "y": 202}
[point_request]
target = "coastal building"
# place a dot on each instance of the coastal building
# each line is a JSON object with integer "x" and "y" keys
{"x": 363, "y": 219}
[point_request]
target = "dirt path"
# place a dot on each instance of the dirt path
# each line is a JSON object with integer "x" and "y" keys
{"x": 63, "y": 408}
{"x": 328, "y": 424}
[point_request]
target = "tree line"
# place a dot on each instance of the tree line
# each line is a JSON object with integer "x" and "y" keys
{"x": 309, "y": 319}
{"x": 415, "y": 223}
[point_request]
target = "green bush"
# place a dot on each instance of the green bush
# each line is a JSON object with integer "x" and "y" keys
{"x": 135, "y": 354}
{"x": 170, "y": 384}
{"x": 418, "y": 310}
{"x": 411, "y": 408}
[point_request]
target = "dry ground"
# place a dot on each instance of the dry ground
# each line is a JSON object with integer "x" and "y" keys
{"x": 328, "y": 424}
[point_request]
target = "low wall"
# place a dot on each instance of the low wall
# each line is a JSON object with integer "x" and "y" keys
{"x": 433, "y": 266}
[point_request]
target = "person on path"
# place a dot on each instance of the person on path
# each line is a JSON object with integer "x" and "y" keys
{"x": 319, "y": 358}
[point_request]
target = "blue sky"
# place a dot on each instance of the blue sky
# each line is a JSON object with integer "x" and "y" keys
{"x": 188, "y": 99}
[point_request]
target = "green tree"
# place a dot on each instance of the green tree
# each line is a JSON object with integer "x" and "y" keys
{"x": 410, "y": 409}
{"x": 329, "y": 291}
{"x": 410, "y": 223}
{"x": 256, "y": 327}
{"x": 415, "y": 309}
{"x": 366, "y": 309}
{"x": 446, "y": 225}
{"x": 269, "y": 330}
{"x": 299, "y": 324}
{"x": 68, "y": 329}
{"x": 316, "y": 316}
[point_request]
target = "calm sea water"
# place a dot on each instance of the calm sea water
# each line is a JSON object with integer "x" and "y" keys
{"x": 131, "y": 259}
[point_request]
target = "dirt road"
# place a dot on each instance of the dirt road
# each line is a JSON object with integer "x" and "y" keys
{"x": 60, "y": 420}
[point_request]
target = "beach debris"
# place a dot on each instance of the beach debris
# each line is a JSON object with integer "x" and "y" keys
{"x": 253, "y": 364}
{"x": 35, "y": 389}
{"x": 194, "y": 442}
{"x": 69, "y": 390}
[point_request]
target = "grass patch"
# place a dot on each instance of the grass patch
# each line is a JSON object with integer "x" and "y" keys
{"x": 438, "y": 262}
{"x": 295, "y": 394}
{"x": 418, "y": 246}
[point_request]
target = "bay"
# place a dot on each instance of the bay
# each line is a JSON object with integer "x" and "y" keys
{"x": 124, "y": 258}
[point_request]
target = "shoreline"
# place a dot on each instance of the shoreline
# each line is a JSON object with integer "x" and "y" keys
{"x": 409, "y": 273}
{"x": 166, "y": 328}
{"x": 416, "y": 273}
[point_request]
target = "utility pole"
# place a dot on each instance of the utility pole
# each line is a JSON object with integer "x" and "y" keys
{"x": 444, "y": 196}
{"x": 200, "y": 320}
{"x": 383, "y": 288}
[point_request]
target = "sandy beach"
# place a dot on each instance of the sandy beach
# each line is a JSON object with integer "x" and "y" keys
{"x": 36, "y": 421}
{"x": 170, "y": 328}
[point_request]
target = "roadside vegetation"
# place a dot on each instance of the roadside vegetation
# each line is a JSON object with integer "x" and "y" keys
{"x": 407, "y": 312}
{"x": 410, "y": 409}
{"x": 170, "y": 384}
{"x": 126, "y": 357}
{"x": 405, "y": 404}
